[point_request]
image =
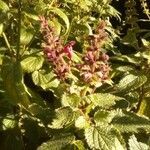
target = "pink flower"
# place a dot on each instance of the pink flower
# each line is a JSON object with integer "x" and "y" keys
{"x": 68, "y": 49}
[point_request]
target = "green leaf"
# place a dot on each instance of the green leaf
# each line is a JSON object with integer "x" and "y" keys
{"x": 71, "y": 100}
{"x": 62, "y": 15}
{"x": 79, "y": 145}
{"x": 54, "y": 23}
{"x": 43, "y": 113}
{"x": 130, "y": 122}
{"x": 135, "y": 145}
{"x": 32, "y": 16}
{"x": 13, "y": 140}
{"x": 12, "y": 76}
{"x": 103, "y": 99}
{"x": 32, "y": 63}
{"x": 3, "y": 11}
{"x": 45, "y": 79}
{"x": 146, "y": 43}
{"x": 130, "y": 83}
{"x": 127, "y": 59}
{"x": 9, "y": 122}
{"x": 26, "y": 36}
{"x": 81, "y": 122}
{"x": 59, "y": 142}
{"x": 102, "y": 117}
{"x": 31, "y": 131}
{"x": 3, "y": 6}
{"x": 101, "y": 138}
{"x": 64, "y": 117}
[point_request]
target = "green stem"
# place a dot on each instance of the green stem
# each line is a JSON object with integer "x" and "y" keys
{"x": 6, "y": 41}
{"x": 19, "y": 30}
{"x": 52, "y": 3}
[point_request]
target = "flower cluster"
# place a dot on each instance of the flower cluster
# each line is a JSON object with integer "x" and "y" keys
{"x": 95, "y": 68}
{"x": 57, "y": 54}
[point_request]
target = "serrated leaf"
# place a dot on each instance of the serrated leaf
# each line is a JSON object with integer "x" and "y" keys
{"x": 59, "y": 142}
{"x": 13, "y": 82}
{"x": 43, "y": 113}
{"x": 71, "y": 100}
{"x": 103, "y": 99}
{"x": 100, "y": 138}
{"x": 64, "y": 117}
{"x": 31, "y": 131}
{"x": 135, "y": 145}
{"x": 14, "y": 139}
{"x": 145, "y": 43}
{"x": 118, "y": 145}
{"x": 130, "y": 83}
{"x": 130, "y": 122}
{"x": 32, "y": 16}
{"x": 9, "y": 122}
{"x": 3, "y": 11}
{"x": 102, "y": 117}
{"x": 127, "y": 59}
{"x": 62, "y": 15}
{"x": 57, "y": 25}
{"x": 3, "y": 6}
{"x": 26, "y": 36}
{"x": 32, "y": 63}
{"x": 81, "y": 122}
{"x": 45, "y": 79}
{"x": 79, "y": 145}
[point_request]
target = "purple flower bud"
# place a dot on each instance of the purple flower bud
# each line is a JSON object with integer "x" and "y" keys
{"x": 68, "y": 49}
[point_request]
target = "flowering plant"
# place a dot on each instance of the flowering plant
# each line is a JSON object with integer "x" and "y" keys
{"x": 74, "y": 75}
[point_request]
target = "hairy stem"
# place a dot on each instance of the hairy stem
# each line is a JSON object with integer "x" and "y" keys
{"x": 19, "y": 30}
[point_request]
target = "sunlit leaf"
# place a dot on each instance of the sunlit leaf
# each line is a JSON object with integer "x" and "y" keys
{"x": 100, "y": 138}
{"x": 135, "y": 145}
{"x": 62, "y": 15}
{"x": 57, "y": 142}
{"x": 64, "y": 117}
{"x": 130, "y": 83}
{"x": 45, "y": 79}
{"x": 32, "y": 63}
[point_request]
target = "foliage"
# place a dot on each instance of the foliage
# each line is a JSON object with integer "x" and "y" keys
{"x": 70, "y": 79}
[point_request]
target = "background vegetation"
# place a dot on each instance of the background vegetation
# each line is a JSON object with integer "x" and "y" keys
{"x": 75, "y": 74}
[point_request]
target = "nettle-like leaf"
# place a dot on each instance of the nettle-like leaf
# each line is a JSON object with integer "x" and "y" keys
{"x": 102, "y": 138}
{"x": 31, "y": 131}
{"x": 32, "y": 63}
{"x": 130, "y": 83}
{"x": 45, "y": 79}
{"x": 71, "y": 100}
{"x": 63, "y": 118}
{"x": 3, "y": 6}
{"x": 58, "y": 142}
{"x": 130, "y": 122}
{"x": 43, "y": 113}
{"x": 135, "y": 145}
{"x": 62, "y": 15}
{"x": 9, "y": 122}
{"x": 12, "y": 76}
{"x": 82, "y": 122}
{"x": 103, "y": 99}
{"x": 26, "y": 36}
{"x": 79, "y": 145}
{"x": 3, "y": 11}
{"x": 102, "y": 117}
{"x": 132, "y": 59}
{"x": 13, "y": 140}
